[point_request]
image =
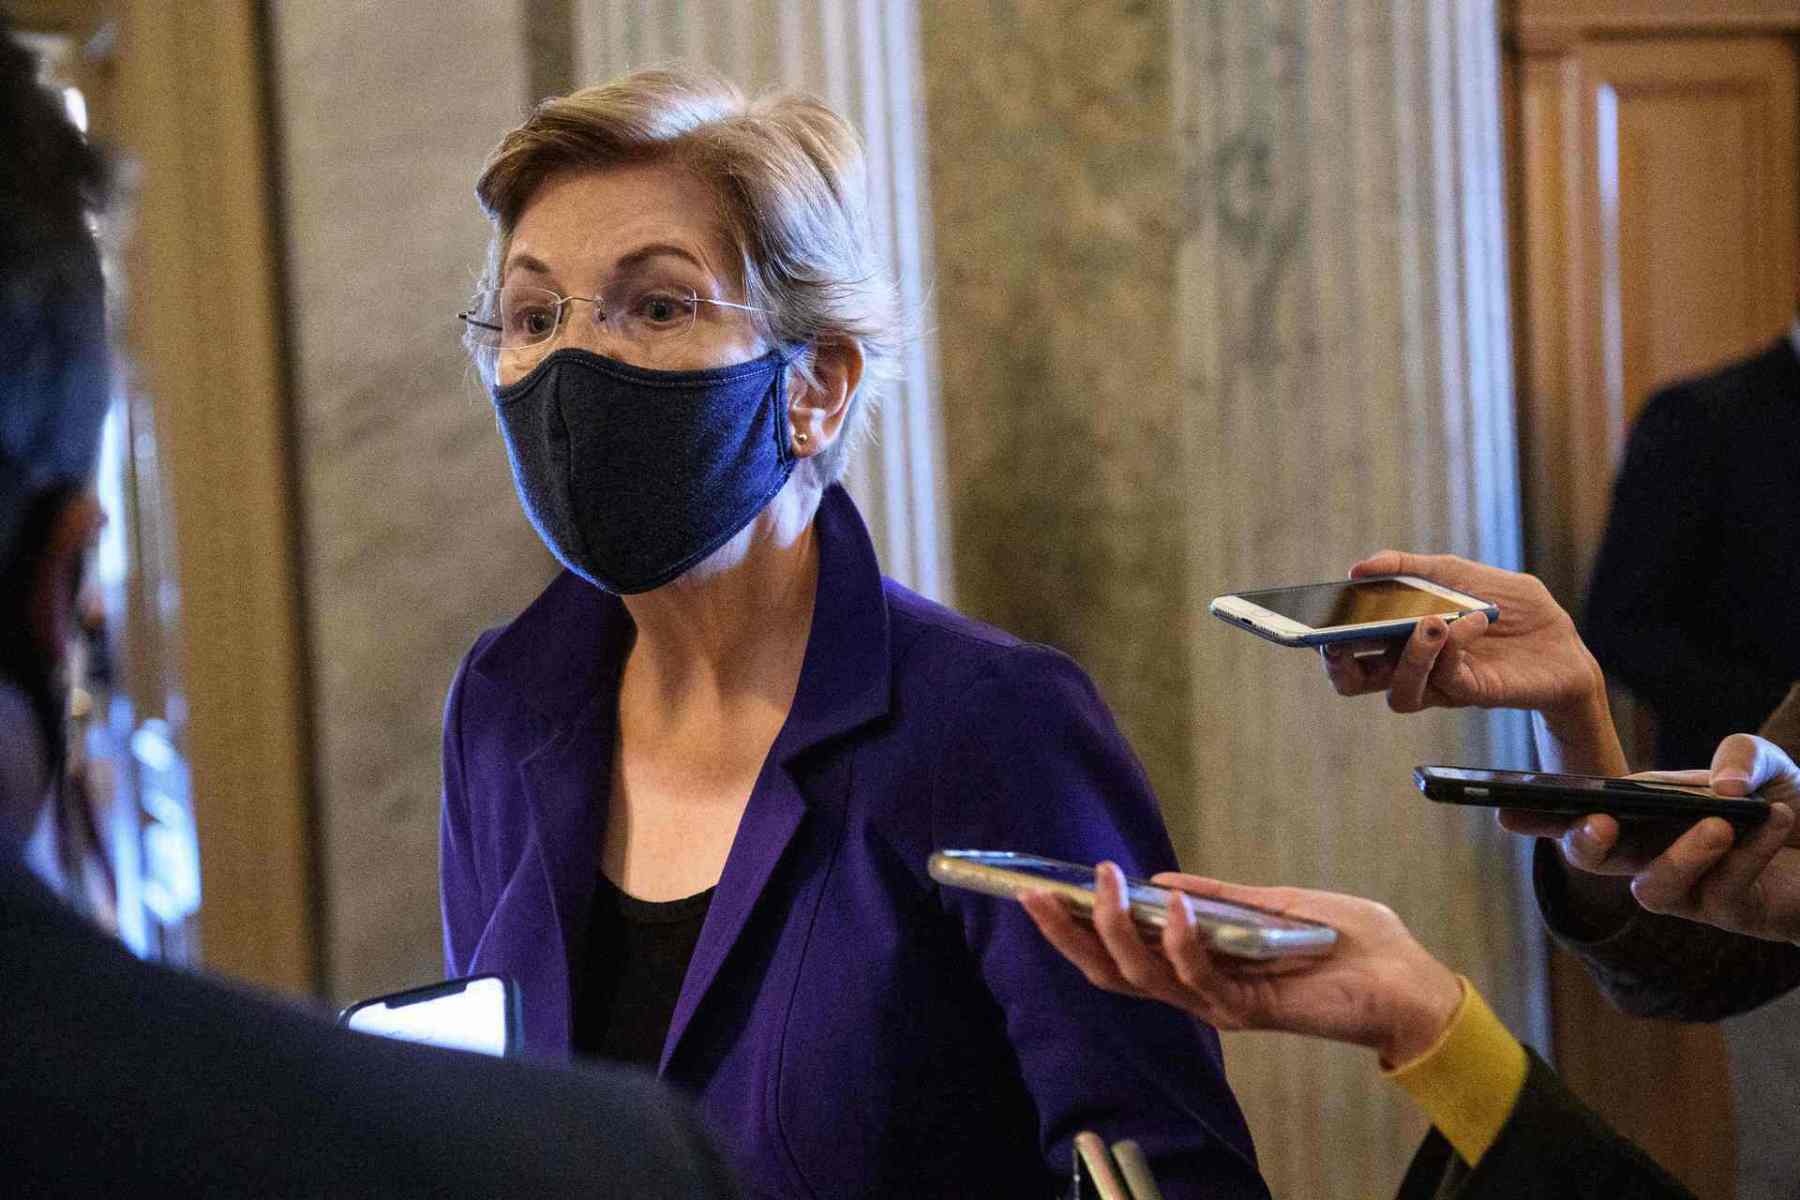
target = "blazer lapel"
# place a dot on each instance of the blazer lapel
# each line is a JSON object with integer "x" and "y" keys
{"x": 567, "y": 784}
{"x": 843, "y": 684}
{"x": 769, "y": 823}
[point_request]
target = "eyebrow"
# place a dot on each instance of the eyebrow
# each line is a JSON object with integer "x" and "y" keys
{"x": 631, "y": 261}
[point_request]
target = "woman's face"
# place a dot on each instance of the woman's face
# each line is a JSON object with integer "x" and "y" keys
{"x": 641, "y": 231}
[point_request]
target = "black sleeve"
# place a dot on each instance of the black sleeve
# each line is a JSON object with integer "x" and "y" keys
{"x": 1552, "y": 1145}
{"x": 1661, "y": 966}
{"x": 1662, "y": 537}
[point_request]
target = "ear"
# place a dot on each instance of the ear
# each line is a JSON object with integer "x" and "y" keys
{"x": 55, "y": 578}
{"x": 817, "y": 411}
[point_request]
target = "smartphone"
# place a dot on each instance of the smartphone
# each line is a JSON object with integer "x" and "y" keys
{"x": 478, "y": 1013}
{"x": 1235, "y": 929}
{"x": 1383, "y": 607}
{"x": 1578, "y": 795}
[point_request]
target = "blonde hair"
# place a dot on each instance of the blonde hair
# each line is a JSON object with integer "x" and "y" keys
{"x": 790, "y": 181}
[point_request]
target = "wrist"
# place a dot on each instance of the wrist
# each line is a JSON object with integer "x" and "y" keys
{"x": 1577, "y": 735}
{"x": 1419, "y": 1015}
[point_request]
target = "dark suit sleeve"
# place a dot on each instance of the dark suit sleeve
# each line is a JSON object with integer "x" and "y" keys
{"x": 459, "y": 886}
{"x": 1660, "y": 548}
{"x": 1662, "y": 966}
{"x": 1035, "y": 764}
{"x": 1552, "y": 1145}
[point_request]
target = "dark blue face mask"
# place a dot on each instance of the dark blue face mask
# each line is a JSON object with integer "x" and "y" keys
{"x": 630, "y": 475}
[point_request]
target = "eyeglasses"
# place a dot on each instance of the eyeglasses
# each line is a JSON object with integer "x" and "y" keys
{"x": 645, "y": 313}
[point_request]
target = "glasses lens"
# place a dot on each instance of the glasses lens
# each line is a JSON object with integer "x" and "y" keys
{"x": 647, "y": 311}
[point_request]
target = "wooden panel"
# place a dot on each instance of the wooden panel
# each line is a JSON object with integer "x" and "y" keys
{"x": 202, "y": 272}
{"x": 1705, "y": 135}
{"x": 1544, "y": 24}
{"x": 1654, "y": 181}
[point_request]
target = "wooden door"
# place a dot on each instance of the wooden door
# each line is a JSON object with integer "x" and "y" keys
{"x": 1654, "y": 230}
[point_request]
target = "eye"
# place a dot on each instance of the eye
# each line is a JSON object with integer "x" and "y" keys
{"x": 663, "y": 308}
{"x": 529, "y": 318}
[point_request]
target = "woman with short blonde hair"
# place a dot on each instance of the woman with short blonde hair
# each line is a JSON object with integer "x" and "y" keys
{"x": 690, "y": 792}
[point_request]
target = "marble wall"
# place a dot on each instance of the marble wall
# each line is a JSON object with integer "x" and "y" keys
{"x": 1222, "y": 305}
{"x": 413, "y": 542}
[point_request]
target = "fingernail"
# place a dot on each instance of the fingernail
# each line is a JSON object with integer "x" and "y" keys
{"x": 1433, "y": 632}
{"x": 1730, "y": 775}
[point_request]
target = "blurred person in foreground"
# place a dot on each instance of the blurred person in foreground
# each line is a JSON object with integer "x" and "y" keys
{"x": 690, "y": 792}
{"x": 1696, "y": 923}
{"x": 118, "y": 1077}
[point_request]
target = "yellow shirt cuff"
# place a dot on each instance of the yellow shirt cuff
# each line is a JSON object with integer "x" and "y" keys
{"x": 1468, "y": 1082}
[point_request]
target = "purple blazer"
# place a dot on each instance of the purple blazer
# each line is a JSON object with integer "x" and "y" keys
{"x": 848, "y": 1027}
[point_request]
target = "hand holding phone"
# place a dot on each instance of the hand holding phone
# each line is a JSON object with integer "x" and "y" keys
{"x": 1242, "y": 931}
{"x": 1378, "y": 988}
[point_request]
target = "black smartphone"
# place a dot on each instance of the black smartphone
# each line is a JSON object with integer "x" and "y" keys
{"x": 1578, "y": 795}
{"x": 478, "y": 1013}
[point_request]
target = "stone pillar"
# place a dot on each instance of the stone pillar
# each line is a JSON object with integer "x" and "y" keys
{"x": 860, "y": 57}
{"x": 1223, "y": 305}
{"x": 1346, "y": 379}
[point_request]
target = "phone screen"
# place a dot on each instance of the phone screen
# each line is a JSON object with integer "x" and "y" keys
{"x": 1353, "y": 602}
{"x": 462, "y": 1015}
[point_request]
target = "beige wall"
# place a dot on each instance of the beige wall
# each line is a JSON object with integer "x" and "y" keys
{"x": 412, "y": 540}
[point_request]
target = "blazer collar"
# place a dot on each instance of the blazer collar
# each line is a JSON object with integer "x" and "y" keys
{"x": 566, "y": 649}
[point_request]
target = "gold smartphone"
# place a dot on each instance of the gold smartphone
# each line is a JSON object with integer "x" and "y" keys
{"x": 1235, "y": 929}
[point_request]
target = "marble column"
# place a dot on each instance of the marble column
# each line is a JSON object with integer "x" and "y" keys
{"x": 1346, "y": 382}
{"x": 860, "y": 57}
{"x": 1222, "y": 304}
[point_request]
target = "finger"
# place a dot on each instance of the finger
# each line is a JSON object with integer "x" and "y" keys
{"x": 1202, "y": 887}
{"x": 1732, "y": 884}
{"x": 1743, "y": 763}
{"x": 1664, "y": 885}
{"x": 1443, "y": 568}
{"x": 1533, "y": 824}
{"x": 1406, "y": 694}
{"x": 1700, "y": 778}
{"x": 1193, "y": 967}
{"x": 1464, "y": 632}
{"x": 1080, "y": 946}
{"x": 1140, "y": 966}
{"x": 1382, "y": 562}
{"x": 1591, "y": 843}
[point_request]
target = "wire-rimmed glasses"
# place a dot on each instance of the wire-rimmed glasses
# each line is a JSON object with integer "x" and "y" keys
{"x": 644, "y": 313}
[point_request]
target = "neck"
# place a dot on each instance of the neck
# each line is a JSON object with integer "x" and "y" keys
{"x": 736, "y": 626}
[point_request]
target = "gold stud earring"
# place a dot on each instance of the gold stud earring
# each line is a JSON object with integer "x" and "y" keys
{"x": 800, "y": 439}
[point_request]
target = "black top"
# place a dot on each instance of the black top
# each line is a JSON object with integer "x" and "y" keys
{"x": 1692, "y": 600}
{"x": 121, "y": 1078}
{"x": 637, "y": 956}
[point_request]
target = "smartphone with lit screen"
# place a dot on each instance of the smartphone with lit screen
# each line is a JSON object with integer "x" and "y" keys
{"x": 478, "y": 1013}
{"x": 1380, "y": 608}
